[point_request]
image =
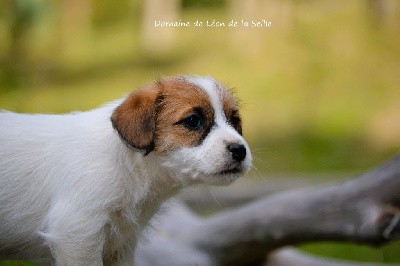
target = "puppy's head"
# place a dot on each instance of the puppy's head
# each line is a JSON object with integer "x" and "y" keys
{"x": 192, "y": 124}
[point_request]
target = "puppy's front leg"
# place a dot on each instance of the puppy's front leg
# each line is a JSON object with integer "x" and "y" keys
{"x": 75, "y": 237}
{"x": 123, "y": 260}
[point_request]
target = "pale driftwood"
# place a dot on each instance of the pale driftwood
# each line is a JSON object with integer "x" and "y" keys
{"x": 364, "y": 210}
{"x": 214, "y": 198}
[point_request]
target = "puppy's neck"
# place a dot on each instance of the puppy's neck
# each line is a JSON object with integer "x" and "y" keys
{"x": 152, "y": 180}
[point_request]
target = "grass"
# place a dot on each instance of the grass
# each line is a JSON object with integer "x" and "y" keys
{"x": 319, "y": 89}
{"x": 353, "y": 252}
{"x": 15, "y": 263}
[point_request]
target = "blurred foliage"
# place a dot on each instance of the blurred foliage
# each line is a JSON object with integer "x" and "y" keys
{"x": 203, "y": 3}
{"x": 319, "y": 89}
{"x": 353, "y": 252}
{"x": 107, "y": 12}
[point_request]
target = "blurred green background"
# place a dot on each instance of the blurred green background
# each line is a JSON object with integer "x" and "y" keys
{"x": 319, "y": 88}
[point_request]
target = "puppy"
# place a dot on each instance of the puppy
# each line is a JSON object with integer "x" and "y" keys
{"x": 78, "y": 189}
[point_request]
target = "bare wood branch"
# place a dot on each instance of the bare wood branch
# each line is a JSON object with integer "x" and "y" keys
{"x": 364, "y": 210}
{"x": 206, "y": 198}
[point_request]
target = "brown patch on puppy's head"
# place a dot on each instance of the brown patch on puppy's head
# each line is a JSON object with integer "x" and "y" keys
{"x": 230, "y": 106}
{"x": 169, "y": 114}
{"x": 186, "y": 116}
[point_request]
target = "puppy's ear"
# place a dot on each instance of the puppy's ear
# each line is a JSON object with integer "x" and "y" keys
{"x": 135, "y": 118}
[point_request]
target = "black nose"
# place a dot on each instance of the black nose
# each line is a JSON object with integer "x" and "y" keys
{"x": 238, "y": 151}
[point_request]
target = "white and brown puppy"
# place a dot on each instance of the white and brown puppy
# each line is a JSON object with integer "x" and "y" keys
{"x": 79, "y": 188}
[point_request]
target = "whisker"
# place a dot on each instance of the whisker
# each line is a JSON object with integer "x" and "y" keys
{"x": 260, "y": 149}
{"x": 215, "y": 199}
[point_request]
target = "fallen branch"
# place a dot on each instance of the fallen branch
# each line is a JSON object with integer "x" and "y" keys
{"x": 244, "y": 190}
{"x": 364, "y": 210}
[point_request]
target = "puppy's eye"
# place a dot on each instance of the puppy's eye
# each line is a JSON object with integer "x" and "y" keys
{"x": 236, "y": 122}
{"x": 193, "y": 122}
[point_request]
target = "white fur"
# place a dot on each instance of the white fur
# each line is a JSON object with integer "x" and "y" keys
{"x": 71, "y": 191}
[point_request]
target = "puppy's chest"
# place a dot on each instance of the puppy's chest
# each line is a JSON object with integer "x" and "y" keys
{"x": 121, "y": 233}
{"x": 125, "y": 229}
